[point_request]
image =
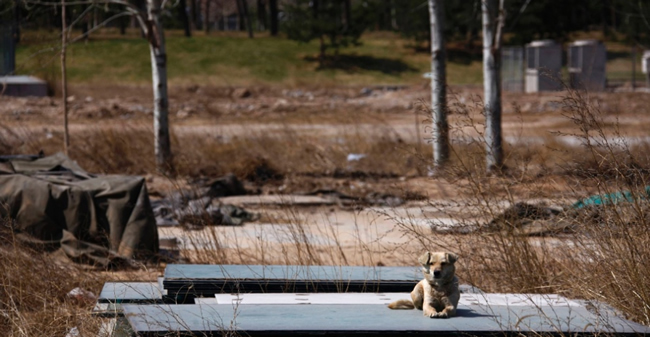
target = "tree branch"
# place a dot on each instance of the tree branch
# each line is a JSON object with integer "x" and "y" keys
{"x": 501, "y": 20}
{"x": 102, "y": 24}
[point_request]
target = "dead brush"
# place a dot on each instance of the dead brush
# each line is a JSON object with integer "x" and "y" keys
{"x": 607, "y": 256}
{"x": 614, "y": 249}
{"x": 127, "y": 149}
{"x": 33, "y": 292}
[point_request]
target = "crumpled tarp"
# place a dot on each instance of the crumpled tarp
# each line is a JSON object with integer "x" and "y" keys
{"x": 101, "y": 220}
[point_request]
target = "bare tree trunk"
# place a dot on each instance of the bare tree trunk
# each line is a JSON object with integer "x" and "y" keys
{"x": 17, "y": 16}
{"x": 393, "y": 16}
{"x": 261, "y": 15}
{"x": 273, "y": 9}
{"x": 64, "y": 80}
{"x": 182, "y": 7}
{"x": 206, "y": 15}
{"x": 633, "y": 68}
{"x": 244, "y": 18}
{"x": 347, "y": 10}
{"x": 438, "y": 84}
{"x": 123, "y": 22}
{"x": 247, "y": 16}
{"x": 240, "y": 15}
{"x": 493, "y": 18}
{"x": 321, "y": 54}
{"x": 196, "y": 14}
{"x": 388, "y": 14}
{"x": 162, "y": 146}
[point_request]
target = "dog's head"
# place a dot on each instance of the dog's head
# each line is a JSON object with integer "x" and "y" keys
{"x": 438, "y": 266}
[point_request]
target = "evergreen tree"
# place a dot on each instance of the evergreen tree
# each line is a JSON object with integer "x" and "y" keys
{"x": 325, "y": 20}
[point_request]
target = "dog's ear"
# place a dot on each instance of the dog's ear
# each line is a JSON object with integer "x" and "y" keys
{"x": 425, "y": 258}
{"x": 451, "y": 257}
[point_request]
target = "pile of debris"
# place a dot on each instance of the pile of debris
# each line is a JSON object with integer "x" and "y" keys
{"x": 622, "y": 208}
{"x": 200, "y": 206}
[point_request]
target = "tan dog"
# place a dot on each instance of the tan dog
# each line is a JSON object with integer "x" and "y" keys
{"x": 437, "y": 295}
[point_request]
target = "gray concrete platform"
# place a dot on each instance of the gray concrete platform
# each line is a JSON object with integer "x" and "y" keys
{"x": 21, "y": 85}
{"x": 131, "y": 292}
{"x": 185, "y": 282}
{"x": 468, "y": 299}
{"x": 510, "y": 314}
{"x": 291, "y": 272}
{"x": 114, "y": 294}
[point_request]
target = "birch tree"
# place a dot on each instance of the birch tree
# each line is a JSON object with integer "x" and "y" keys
{"x": 493, "y": 20}
{"x": 440, "y": 129}
{"x": 150, "y": 22}
{"x": 273, "y": 9}
{"x": 64, "y": 81}
{"x": 156, "y": 37}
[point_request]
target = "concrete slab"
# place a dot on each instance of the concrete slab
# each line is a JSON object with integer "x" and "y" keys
{"x": 371, "y": 320}
{"x": 22, "y": 85}
{"x": 311, "y": 298}
{"x": 131, "y": 292}
{"x": 185, "y": 282}
{"x": 114, "y": 294}
{"x": 511, "y": 300}
{"x": 197, "y": 272}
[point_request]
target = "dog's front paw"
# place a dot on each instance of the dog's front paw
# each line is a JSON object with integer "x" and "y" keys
{"x": 430, "y": 313}
{"x": 440, "y": 315}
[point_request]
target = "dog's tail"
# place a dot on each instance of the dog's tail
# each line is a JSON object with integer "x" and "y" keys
{"x": 401, "y": 304}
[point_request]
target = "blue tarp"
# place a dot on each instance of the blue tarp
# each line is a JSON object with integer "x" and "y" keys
{"x": 611, "y": 198}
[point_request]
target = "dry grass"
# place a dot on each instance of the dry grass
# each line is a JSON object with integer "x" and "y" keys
{"x": 33, "y": 292}
{"x": 605, "y": 258}
{"x": 126, "y": 148}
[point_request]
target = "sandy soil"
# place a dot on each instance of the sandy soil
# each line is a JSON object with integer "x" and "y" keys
{"x": 236, "y": 111}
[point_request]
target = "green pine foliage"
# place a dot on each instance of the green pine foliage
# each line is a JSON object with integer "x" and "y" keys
{"x": 327, "y": 21}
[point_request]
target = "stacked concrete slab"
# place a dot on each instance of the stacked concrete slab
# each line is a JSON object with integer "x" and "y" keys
{"x": 146, "y": 309}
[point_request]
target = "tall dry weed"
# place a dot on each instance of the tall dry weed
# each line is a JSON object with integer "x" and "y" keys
{"x": 607, "y": 252}
{"x": 34, "y": 288}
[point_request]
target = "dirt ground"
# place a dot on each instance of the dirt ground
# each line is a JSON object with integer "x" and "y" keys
{"x": 226, "y": 113}
{"x": 231, "y": 111}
